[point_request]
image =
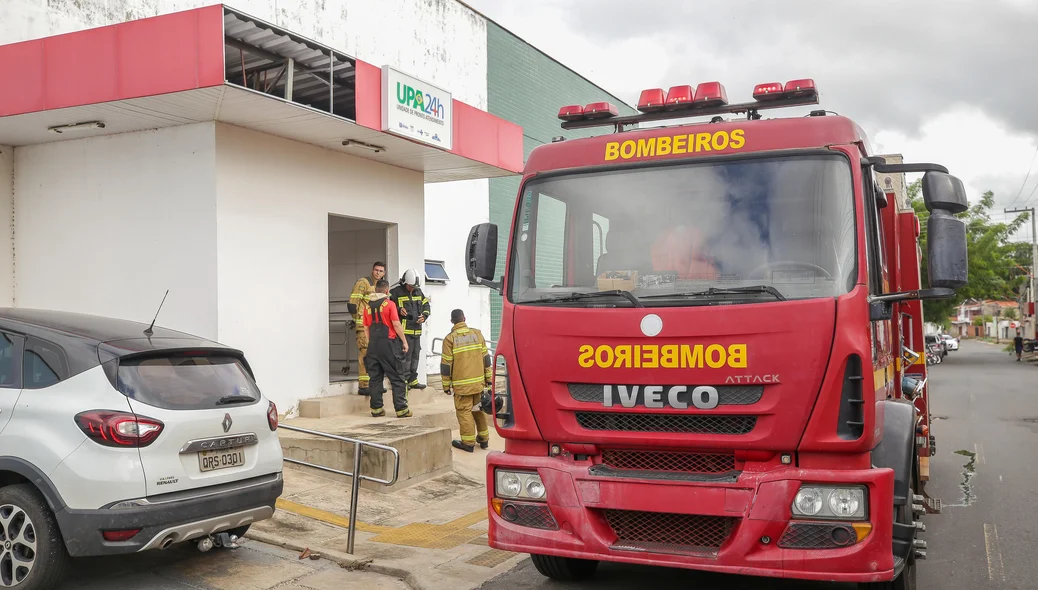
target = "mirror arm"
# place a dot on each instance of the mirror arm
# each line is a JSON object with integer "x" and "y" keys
{"x": 495, "y": 285}
{"x": 910, "y": 295}
{"x": 880, "y": 165}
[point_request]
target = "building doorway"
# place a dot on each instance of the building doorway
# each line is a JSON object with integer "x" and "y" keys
{"x": 354, "y": 245}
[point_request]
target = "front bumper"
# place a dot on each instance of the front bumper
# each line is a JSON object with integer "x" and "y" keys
{"x": 757, "y": 506}
{"x": 179, "y": 518}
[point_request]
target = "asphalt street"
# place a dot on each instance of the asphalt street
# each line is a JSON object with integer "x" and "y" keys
{"x": 984, "y": 472}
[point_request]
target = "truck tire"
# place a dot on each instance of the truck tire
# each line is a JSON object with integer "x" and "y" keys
{"x": 564, "y": 569}
{"x": 26, "y": 520}
{"x": 907, "y": 579}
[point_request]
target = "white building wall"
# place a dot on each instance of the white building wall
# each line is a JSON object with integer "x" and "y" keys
{"x": 105, "y": 225}
{"x": 451, "y": 209}
{"x": 274, "y": 197}
{"x": 6, "y": 225}
{"x": 441, "y": 41}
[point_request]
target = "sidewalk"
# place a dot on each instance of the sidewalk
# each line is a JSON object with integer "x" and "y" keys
{"x": 431, "y": 535}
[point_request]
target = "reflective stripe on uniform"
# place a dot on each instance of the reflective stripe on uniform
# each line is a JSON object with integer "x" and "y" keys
{"x": 467, "y": 381}
{"x": 447, "y": 357}
{"x": 468, "y": 348}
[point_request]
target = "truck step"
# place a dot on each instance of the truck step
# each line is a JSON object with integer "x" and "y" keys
{"x": 933, "y": 505}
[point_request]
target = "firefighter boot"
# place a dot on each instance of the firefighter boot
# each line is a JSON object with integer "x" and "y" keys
{"x": 457, "y": 444}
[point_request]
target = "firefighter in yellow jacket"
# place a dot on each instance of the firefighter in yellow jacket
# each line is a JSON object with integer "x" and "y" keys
{"x": 465, "y": 370}
{"x": 359, "y": 297}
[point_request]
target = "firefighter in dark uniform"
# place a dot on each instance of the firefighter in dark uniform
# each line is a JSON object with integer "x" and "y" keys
{"x": 414, "y": 309}
{"x": 465, "y": 372}
{"x": 386, "y": 350}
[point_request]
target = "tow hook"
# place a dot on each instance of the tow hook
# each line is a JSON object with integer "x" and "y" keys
{"x": 218, "y": 540}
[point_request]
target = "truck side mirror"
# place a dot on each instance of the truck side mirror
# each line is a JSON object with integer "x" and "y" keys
{"x": 944, "y": 197}
{"x": 481, "y": 254}
{"x": 944, "y": 192}
{"x": 946, "y": 251}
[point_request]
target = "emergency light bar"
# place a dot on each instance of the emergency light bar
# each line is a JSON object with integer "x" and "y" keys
{"x": 709, "y": 98}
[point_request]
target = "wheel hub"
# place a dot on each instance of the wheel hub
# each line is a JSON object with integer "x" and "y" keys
{"x": 18, "y": 555}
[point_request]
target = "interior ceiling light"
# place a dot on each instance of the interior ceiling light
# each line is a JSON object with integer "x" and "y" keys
{"x": 77, "y": 126}
{"x": 361, "y": 144}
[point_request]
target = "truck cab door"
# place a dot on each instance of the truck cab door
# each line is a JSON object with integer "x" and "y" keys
{"x": 10, "y": 375}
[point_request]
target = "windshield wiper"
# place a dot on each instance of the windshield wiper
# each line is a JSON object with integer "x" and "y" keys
{"x": 235, "y": 399}
{"x": 762, "y": 289}
{"x": 577, "y": 296}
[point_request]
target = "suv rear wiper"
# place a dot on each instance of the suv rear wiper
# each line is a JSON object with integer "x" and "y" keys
{"x": 577, "y": 296}
{"x": 762, "y": 289}
{"x": 235, "y": 399}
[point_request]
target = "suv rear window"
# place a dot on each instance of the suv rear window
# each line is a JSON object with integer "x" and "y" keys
{"x": 187, "y": 382}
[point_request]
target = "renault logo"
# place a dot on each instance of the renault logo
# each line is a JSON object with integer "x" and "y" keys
{"x": 227, "y": 422}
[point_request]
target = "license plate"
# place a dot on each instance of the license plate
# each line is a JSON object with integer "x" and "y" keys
{"x": 221, "y": 459}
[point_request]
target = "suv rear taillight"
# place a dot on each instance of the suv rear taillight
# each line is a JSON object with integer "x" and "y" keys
{"x": 118, "y": 429}
{"x": 272, "y": 417}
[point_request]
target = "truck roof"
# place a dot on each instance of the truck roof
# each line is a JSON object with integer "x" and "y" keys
{"x": 693, "y": 140}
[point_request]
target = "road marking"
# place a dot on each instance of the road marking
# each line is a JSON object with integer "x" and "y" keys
{"x": 980, "y": 452}
{"x": 1000, "y": 479}
{"x": 996, "y": 570}
{"x": 326, "y": 517}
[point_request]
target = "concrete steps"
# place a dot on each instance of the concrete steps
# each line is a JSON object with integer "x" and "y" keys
{"x": 423, "y": 440}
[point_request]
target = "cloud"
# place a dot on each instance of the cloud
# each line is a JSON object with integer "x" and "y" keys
{"x": 945, "y": 81}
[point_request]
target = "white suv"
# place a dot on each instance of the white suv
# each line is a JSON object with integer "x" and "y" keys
{"x": 118, "y": 438}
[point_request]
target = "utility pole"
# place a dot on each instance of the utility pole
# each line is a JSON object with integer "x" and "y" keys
{"x": 1034, "y": 256}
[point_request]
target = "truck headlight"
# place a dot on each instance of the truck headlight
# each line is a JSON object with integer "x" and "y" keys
{"x": 841, "y": 503}
{"x": 519, "y": 485}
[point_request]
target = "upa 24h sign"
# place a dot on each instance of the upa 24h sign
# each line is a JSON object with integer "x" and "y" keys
{"x": 415, "y": 109}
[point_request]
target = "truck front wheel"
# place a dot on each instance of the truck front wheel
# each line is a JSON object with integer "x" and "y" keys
{"x": 564, "y": 569}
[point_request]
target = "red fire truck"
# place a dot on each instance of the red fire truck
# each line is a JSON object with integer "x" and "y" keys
{"x": 704, "y": 334}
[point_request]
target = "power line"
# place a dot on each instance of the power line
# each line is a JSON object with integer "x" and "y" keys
{"x": 1026, "y": 176}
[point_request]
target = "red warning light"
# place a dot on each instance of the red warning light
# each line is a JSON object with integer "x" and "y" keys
{"x": 651, "y": 100}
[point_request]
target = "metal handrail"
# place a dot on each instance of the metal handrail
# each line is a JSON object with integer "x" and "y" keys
{"x": 358, "y": 447}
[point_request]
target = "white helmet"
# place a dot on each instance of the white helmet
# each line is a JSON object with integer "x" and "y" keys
{"x": 410, "y": 277}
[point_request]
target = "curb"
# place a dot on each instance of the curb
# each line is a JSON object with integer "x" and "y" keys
{"x": 344, "y": 560}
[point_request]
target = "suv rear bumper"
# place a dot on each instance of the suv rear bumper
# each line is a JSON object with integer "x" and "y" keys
{"x": 756, "y": 504}
{"x": 178, "y": 519}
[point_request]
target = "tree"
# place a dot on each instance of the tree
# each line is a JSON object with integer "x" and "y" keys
{"x": 996, "y": 265}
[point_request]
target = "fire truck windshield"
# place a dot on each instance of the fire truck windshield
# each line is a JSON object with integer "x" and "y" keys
{"x": 688, "y": 234}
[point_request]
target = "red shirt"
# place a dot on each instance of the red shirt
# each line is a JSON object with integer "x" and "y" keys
{"x": 388, "y": 313}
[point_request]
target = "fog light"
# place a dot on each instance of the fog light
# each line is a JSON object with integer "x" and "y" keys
{"x": 786, "y": 459}
{"x": 510, "y": 513}
{"x": 843, "y": 536}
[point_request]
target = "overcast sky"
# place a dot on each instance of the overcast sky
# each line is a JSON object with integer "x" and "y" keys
{"x": 947, "y": 81}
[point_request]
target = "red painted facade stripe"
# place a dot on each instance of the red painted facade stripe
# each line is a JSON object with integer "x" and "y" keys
{"x": 478, "y": 135}
{"x": 148, "y": 57}
{"x": 369, "y": 95}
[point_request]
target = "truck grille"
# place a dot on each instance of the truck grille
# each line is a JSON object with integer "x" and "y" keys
{"x": 727, "y": 395}
{"x": 666, "y": 461}
{"x": 668, "y": 533}
{"x": 698, "y": 424}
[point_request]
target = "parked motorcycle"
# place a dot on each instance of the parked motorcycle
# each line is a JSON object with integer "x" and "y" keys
{"x": 934, "y": 354}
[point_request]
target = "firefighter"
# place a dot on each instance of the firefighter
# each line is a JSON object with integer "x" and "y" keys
{"x": 465, "y": 372}
{"x": 414, "y": 310}
{"x": 359, "y": 297}
{"x": 386, "y": 350}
